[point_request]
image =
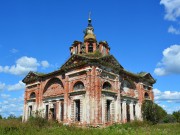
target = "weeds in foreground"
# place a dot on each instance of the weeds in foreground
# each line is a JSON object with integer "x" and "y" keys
{"x": 39, "y": 126}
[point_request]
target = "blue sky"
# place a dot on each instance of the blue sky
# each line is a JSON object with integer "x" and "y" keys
{"x": 144, "y": 35}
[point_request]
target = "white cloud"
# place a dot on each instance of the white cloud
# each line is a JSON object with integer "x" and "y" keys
{"x": 172, "y": 8}
{"x": 1, "y": 69}
{"x": 5, "y": 95}
{"x": 11, "y": 106}
{"x": 23, "y": 66}
{"x": 170, "y": 63}
{"x": 45, "y": 64}
{"x": 169, "y": 96}
{"x": 14, "y": 50}
{"x": 173, "y": 30}
{"x": 2, "y": 86}
{"x": 19, "y": 86}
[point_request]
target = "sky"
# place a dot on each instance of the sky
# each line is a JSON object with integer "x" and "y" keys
{"x": 144, "y": 35}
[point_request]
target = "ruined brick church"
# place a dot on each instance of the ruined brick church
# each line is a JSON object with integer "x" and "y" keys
{"x": 91, "y": 89}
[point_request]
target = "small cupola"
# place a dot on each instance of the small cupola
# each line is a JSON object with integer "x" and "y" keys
{"x": 104, "y": 47}
{"x": 76, "y": 47}
{"x": 89, "y": 32}
{"x": 90, "y": 45}
{"x": 90, "y": 42}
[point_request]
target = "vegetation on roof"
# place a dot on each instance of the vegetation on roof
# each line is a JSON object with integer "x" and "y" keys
{"x": 39, "y": 73}
{"x": 93, "y": 58}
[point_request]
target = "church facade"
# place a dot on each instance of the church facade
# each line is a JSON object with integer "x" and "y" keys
{"x": 90, "y": 89}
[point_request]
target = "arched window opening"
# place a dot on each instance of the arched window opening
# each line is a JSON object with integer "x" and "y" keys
{"x": 107, "y": 86}
{"x": 32, "y": 95}
{"x": 146, "y": 95}
{"x": 55, "y": 85}
{"x": 126, "y": 84}
{"x": 79, "y": 86}
{"x": 90, "y": 47}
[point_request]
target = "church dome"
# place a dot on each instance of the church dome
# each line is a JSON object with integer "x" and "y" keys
{"x": 90, "y": 36}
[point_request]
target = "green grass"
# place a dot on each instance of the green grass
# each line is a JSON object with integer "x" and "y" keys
{"x": 41, "y": 127}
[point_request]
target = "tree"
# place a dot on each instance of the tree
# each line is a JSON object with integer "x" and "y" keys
{"x": 176, "y": 114}
{"x": 152, "y": 112}
{"x": 11, "y": 116}
{"x": 1, "y": 117}
{"x": 169, "y": 119}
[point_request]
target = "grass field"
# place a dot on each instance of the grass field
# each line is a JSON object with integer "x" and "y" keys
{"x": 41, "y": 127}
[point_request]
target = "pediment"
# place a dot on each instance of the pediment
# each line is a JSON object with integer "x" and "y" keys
{"x": 149, "y": 78}
{"x": 31, "y": 76}
{"x": 74, "y": 61}
{"x": 111, "y": 61}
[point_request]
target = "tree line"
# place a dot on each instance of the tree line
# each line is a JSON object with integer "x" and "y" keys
{"x": 156, "y": 114}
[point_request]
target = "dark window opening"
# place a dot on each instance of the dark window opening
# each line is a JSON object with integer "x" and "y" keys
{"x": 90, "y": 47}
{"x": 128, "y": 112}
{"x": 146, "y": 95}
{"x": 52, "y": 113}
{"x": 30, "y": 110}
{"x": 77, "y": 110}
{"x": 121, "y": 111}
{"x": 62, "y": 111}
{"x": 108, "y": 111}
{"x": 107, "y": 86}
{"x": 134, "y": 110}
{"x": 78, "y": 86}
{"x": 126, "y": 84}
{"x": 33, "y": 95}
{"x": 47, "y": 108}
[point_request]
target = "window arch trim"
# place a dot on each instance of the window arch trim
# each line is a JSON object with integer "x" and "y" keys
{"x": 146, "y": 95}
{"x": 78, "y": 86}
{"x": 52, "y": 81}
{"x": 32, "y": 95}
{"x": 107, "y": 86}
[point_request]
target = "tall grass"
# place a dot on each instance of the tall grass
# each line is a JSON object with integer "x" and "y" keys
{"x": 39, "y": 126}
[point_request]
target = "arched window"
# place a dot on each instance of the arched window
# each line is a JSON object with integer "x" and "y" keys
{"x": 107, "y": 86}
{"x": 78, "y": 86}
{"x": 146, "y": 95}
{"x": 90, "y": 47}
{"x": 126, "y": 84}
{"x": 53, "y": 86}
{"x": 32, "y": 95}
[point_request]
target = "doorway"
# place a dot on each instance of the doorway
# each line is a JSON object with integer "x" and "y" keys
{"x": 77, "y": 110}
{"x": 128, "y": 112}
{"x": 47, "y": 108}
{"x": 108, "y": 110}
{"x": 52, "y": 112}
{"x": 62, "y": 111}
{"x": 30, "y": 110}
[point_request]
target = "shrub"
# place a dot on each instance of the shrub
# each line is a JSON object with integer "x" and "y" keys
{"x": 11, "y": 116}
{"x": 152, "y": 112}
{"x": 169, "y": 119}
{"x": 38, "y": 122}
{"x": 176, "y": 114}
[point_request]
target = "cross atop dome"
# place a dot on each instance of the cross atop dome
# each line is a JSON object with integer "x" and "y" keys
{"x": 89, "y": 20}
{"x": 89, "y": 31}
